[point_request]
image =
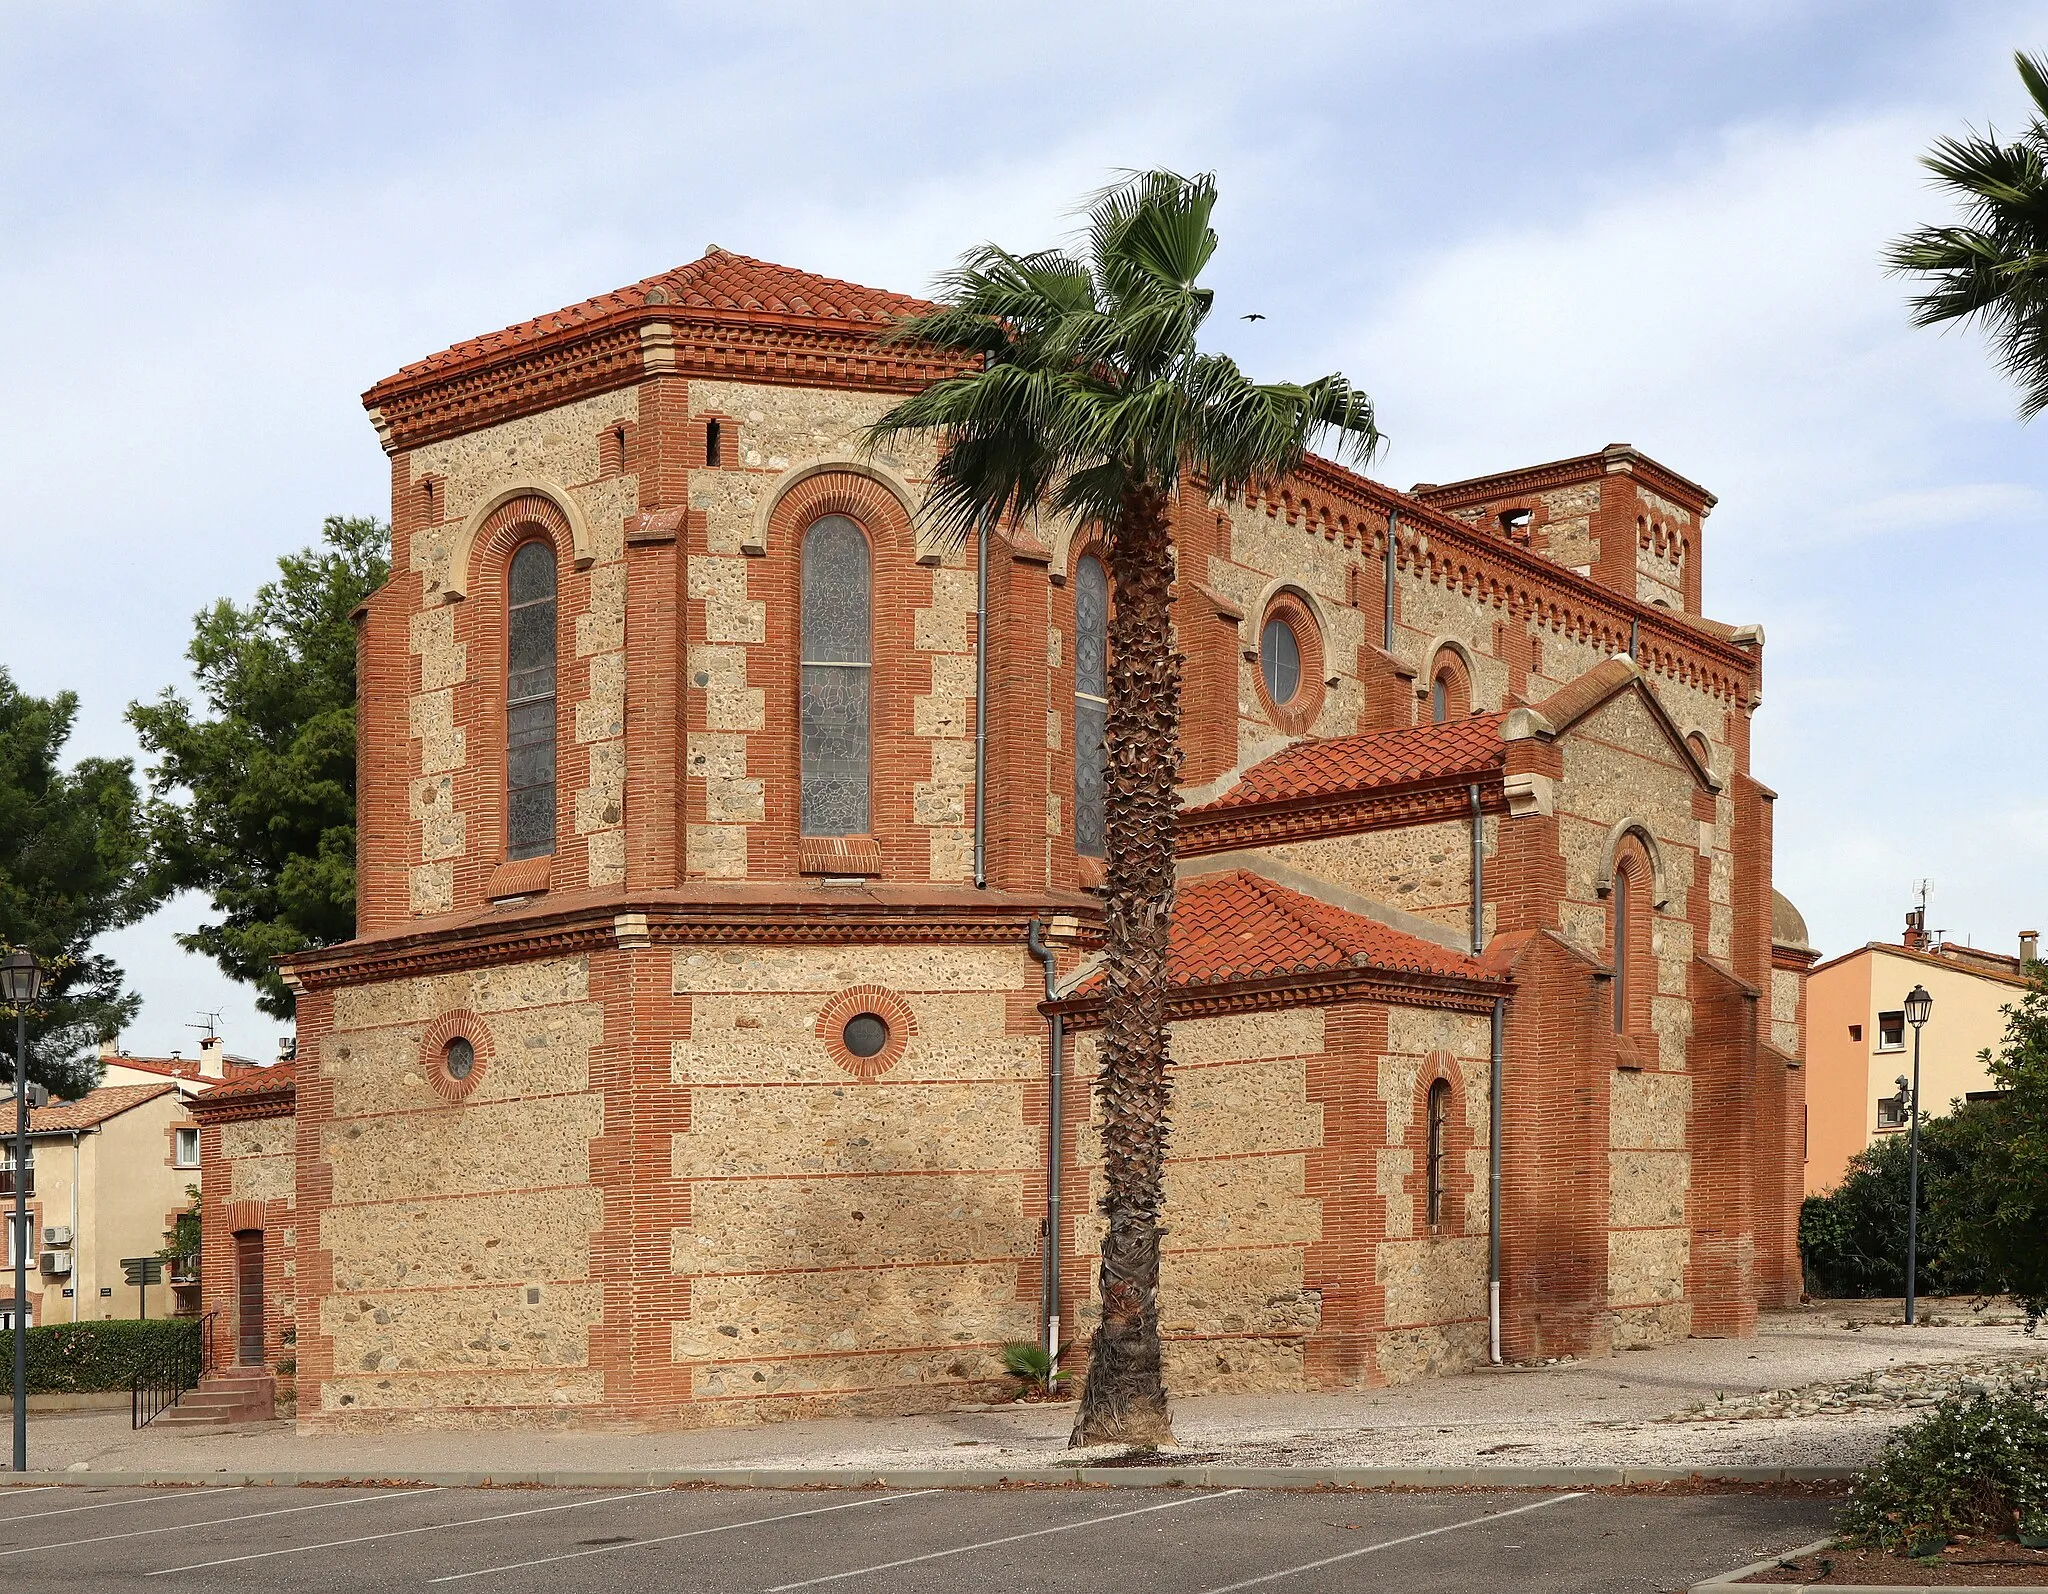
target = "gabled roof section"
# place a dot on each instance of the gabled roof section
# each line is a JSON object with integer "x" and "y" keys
{"x": 719, "y": 286}
{"x": 94, "y": 1108}
{"x": 1600, "y": 685}
{"x": 263, "y": 1093}
{"x": 1339, "y": 766}
{"x": 1614, "y": 459}
{"x": 1234, "y": 926}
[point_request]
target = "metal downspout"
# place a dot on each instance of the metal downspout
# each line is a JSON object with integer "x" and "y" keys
{"x": 1478, "y": 874}
{"x": 1054, "y": 1136}
{"x": 75, "y": 1281}
{"x": 981, "y": 710}
{"x": 1387, "y": 621}
{"x": 1493, "y": 1187}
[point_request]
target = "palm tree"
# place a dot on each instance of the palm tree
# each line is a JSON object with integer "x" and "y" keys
{"x": 1994, "y": 264}
{"x": 1087, "y": 398}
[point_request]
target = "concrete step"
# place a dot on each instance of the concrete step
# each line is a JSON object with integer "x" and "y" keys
{"x": 238, "y": 1395}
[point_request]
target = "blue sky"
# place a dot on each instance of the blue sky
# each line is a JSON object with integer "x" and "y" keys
{"x": 1527, "y": 229}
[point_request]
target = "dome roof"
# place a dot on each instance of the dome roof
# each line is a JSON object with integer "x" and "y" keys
{"x": 1788, "y": 924}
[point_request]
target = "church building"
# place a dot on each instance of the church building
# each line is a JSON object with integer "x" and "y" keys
{"x": 716, "y": 1040}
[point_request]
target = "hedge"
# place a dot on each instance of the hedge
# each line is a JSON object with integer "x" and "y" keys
{"x": 96, "y": 1358}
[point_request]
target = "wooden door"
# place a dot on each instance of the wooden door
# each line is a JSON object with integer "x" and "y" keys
{"x": 249, "y": 1298}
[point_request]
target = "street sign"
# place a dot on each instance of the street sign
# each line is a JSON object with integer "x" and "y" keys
{"x": 143, "y": 1269}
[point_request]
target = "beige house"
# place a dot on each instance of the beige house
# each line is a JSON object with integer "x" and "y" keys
{"x": 1859, "y": 1044}
{"x": 107, "y": 1175}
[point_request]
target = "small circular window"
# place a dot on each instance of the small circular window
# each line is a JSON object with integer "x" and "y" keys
{"x": 459, "y": 1059}
{"x": 865, "y": 1034}
{"x": 1280, "y": 661}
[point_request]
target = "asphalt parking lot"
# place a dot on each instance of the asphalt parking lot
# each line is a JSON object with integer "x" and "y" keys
{"x": 1198, "y": 1541}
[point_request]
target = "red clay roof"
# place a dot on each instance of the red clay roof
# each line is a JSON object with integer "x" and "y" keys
{"x": 94, "y": 1108}
{"x": 257, "y": 1082}
{"x": 721, "y": 282}
{"x": 174, "y": 1067}
{"x": 1337, "y": 765}
{"x": 1236, "y": 925}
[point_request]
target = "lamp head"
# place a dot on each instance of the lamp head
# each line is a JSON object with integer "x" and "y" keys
{"x": 1918, "y": 1005}
{"x": 21, "y": 976}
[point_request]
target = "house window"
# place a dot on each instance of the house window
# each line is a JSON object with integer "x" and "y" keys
{"x": 1891, "y": 1112}
{"x": 1891, "y": 1032}
{"x": 1280, "y": 661}
{"x": 28, "y": 1183}
{"x": 185, "y": 1148}
{"x": 833, "y": 715}
{"x": 21, "y": 1238}
{"x": 28, "y": 1315}
{"x": 530, "y": 703}
{"x": 1439, "y": 1117}
{"x": 1621, "y": 944}
{"x": 1091, "y": 702}
{"x": 1855, "y": 1032}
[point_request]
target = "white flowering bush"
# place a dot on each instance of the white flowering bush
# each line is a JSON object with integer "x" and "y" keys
{"x": 1975, "y": 1464}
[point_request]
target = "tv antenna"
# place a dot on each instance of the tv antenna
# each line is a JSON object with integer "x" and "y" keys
{"x": 211, "y": 1026}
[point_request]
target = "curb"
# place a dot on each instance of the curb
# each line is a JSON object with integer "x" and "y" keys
{"x": 1161, "y": 1477}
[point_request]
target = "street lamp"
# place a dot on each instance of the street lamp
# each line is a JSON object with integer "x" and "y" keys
{"x": 21, "y": 982}
{"x": 1918, "y": 1005}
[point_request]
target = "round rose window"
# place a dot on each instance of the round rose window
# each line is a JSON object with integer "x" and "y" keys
{"x": 1280, "y": 661}
{"x": 866, "y": 1034}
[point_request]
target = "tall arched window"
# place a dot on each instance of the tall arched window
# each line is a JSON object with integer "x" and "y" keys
{"x": 1623, "y": 933}
{"x": 833, "y": 715}
{"x": 530, "y": 702}
{"x": 1091, "y": 701}
{"x": 1450, "y": 687}
{"x": 1439, "y": 1119}
{"x": 1439, "y": 699}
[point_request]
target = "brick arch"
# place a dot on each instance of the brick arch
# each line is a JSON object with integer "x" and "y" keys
{"x": 1460, "y": 1182}
{"x": 1630, "y": 856}
{"x": 861, "y": 490}
{"x": 1289, "y": 603}
{"x": 1447, "y": 652}
{"x": 1613, "y": 854}
{"x": 541, "y": 503}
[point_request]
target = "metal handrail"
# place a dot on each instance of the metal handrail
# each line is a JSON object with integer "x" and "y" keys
{"x": 161, "y": 1385}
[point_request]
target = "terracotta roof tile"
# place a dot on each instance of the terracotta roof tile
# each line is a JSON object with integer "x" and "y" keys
{"x": 720, "y": 282}
{"x": 257, "y": 1082}
{"x": 173, "y": 1067}
{"x": 94, "y": 1108}
{"x": 1235, "y": 925}
{"x": 1337, "y": 765}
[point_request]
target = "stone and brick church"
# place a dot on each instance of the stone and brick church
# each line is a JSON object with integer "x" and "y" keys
{"x": 692, "y": 1062}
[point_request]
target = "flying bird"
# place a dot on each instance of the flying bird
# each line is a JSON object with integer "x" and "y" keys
{"x": 1251, "y": 318}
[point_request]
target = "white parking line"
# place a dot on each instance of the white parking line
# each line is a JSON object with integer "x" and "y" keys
{"x": 1388, "y": 1544}
{"x": 1012, "y": 1538}
{"x": 108, "y": 1505}
{"x": 214, "y": 1522}
{"x": 401, "y": 1533}
{"x": 670, "y": 1538}
{"x": 34, "y": 1488}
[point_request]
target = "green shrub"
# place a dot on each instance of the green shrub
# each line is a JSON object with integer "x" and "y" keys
{"x": 97, "y": 1358}
{"x": 1033, "y": 1363}
{"x": 1972, "y": 1465}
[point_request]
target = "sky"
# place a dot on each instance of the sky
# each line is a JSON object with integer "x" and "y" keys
{"x": 1528, "y": 228}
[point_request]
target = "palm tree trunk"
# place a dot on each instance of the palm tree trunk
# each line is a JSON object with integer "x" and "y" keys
{"x": 1124, "y": 1398}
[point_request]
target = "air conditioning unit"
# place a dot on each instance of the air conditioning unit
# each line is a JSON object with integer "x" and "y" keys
{"x": 56, "y": 1261}
{"x": 59, "y": 1236}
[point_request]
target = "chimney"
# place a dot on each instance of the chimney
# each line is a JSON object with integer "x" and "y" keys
{"x": 2030, "y": 946}
{"x": 213, "y": 1052}
{"x": 1916, "y": 930}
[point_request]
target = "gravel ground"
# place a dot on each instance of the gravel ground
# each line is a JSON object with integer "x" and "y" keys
{"x": 1817, "y": 1387}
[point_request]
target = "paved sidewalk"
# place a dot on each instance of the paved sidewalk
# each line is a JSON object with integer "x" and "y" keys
{"x": 1656, "y": 1408}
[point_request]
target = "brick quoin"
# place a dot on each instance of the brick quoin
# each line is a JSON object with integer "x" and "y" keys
{"x": 669, "y": 1201}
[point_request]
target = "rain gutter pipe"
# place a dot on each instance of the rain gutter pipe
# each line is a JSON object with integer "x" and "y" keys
{"x": 1493, "y": 1187}
{"x": 981, "y": 709}
{"x": 1054, "y": 1137}
{"x": 1478, "y": 874}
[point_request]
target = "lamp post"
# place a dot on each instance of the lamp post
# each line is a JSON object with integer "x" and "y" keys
{"x": 21, "y": 982}
{"x": 1918, "y": 1005}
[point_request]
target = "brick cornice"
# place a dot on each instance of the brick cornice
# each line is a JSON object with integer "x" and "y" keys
{"x": 795, "y": 916}
{"x": 1198, "y": 834}
{"x": 277, "y": 1102}
{"x": 1567, "y": 472}
{"x": 1449, "y": 993}
{"x": 741, "y": 346}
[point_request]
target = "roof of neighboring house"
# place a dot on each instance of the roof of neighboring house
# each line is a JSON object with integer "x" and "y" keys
{"x": 1335, "y": 765}
{"x": 94, "y": 1108}
{"x": 1235, "y": 925}
{"x": 171, "y": 1067}
{"x": 720, "y": 282}
{"x": 1978, "y": 965}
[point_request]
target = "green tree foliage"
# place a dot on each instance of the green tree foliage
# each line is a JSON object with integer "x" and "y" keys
{"x": 255, "y": 801}
{"x": 1995, "y": 1220}
{"x": 73, "y": 865}
{"x": 1854, "y": 1237}
{"x": 1992, "y": 264}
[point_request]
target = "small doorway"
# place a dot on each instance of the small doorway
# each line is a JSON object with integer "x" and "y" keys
{"x": 249, "y": 1298}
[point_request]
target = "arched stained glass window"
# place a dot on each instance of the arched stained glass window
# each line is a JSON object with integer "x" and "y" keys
{"x": 1091, "y": 702}
{"x": 530, "y": 702}
{"x": 1621, "y": 946}
{"x": 1439, "y": 1118}
{"x": 833, "y": 715}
